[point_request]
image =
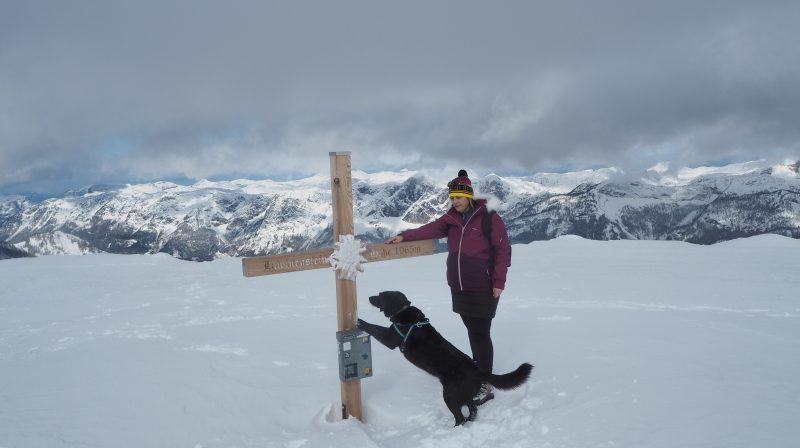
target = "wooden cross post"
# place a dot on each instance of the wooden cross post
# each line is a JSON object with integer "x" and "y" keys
{"x": 347, "y": 309}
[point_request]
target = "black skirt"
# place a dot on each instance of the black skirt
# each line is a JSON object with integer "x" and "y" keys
{"x": 474, "y": 304}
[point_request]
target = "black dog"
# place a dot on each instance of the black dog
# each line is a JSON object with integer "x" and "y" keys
{"x": 430, "y": 351}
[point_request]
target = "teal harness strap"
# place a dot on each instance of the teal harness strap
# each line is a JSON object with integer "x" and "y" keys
{"x": 411, "y": 328}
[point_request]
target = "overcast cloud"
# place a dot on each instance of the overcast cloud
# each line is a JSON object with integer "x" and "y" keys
{"x": 104, "y": 91}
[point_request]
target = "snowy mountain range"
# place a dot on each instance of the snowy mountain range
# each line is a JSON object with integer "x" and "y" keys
{"x": 209, "y": 220}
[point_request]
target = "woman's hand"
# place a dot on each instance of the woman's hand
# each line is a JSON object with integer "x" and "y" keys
{"x": 497, "y": 292}
{"x": 395, "y": 239}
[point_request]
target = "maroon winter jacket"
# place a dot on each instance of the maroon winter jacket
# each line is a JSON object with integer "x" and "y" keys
{"x": 468, "y": 259}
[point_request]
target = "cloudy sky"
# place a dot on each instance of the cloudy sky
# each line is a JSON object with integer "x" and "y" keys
{"x": 109, "y": 92}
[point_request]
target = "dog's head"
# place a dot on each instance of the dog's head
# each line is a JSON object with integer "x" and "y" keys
{"x": 390, "y": 302}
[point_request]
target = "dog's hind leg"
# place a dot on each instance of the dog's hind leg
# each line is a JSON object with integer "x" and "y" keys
{"x": 473, "y": 411}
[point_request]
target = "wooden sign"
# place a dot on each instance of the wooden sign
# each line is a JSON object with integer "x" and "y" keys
{"x": 318, "y": 259}
{"x": 290, "y": 262}
{"x": 382, "y": 252}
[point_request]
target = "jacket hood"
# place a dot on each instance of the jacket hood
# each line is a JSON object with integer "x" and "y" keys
{"x": 491, "y": 202}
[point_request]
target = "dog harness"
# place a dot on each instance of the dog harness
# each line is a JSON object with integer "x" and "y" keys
{"x": 411, "y": 328}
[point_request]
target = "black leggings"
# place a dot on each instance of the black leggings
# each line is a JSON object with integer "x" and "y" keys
{"x": 480, "y": 341}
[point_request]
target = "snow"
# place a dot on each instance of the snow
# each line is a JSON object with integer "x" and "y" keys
{"x": 295, "y": 188}
{"x": 55, "y": 243}
{"x": 688, "y": 174}
{"x": 660, "y": 173}
{"x": 383, "y": 177}
{"x": 635, "y": 343}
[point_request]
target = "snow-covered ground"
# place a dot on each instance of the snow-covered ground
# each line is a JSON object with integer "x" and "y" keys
{"x": 635, "y": 343}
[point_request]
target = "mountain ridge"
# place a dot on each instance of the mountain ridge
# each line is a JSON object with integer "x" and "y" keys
{"x": 242, "y": 217}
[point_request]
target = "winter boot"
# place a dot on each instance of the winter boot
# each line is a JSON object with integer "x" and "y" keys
{"x": 485, "y": 394}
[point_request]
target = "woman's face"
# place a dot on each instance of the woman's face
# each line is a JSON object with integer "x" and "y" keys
{"x": 460, "y": 203}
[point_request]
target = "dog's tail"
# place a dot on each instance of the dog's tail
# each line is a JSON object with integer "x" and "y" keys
{"x": 510, "y": 380}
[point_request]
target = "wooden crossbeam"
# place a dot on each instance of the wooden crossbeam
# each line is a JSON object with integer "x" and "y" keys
{"x": 319, "y": 259}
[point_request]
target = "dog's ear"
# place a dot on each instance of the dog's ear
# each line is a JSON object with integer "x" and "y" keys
{"x": 400, "y": 297}
{"x": 394, "y": 295}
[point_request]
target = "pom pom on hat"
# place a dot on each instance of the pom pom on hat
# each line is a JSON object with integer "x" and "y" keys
{"x": 460, "y": 186}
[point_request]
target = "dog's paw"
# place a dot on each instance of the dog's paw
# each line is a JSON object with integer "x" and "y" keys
{"x": 361, "y": 324}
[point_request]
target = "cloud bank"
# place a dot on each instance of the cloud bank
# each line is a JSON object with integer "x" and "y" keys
{"x": 119, "y": 92}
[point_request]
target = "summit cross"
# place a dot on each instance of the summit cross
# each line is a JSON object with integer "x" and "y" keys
{"x": 346, "y": 300}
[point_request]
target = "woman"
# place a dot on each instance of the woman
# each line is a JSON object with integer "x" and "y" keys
{"x": 477, "y": 263}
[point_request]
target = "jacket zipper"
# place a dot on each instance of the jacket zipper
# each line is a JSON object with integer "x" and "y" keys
{"x": 460, "y": 241}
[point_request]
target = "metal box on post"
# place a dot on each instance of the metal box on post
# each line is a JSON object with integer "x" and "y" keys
{"x": 355, "y": 355}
